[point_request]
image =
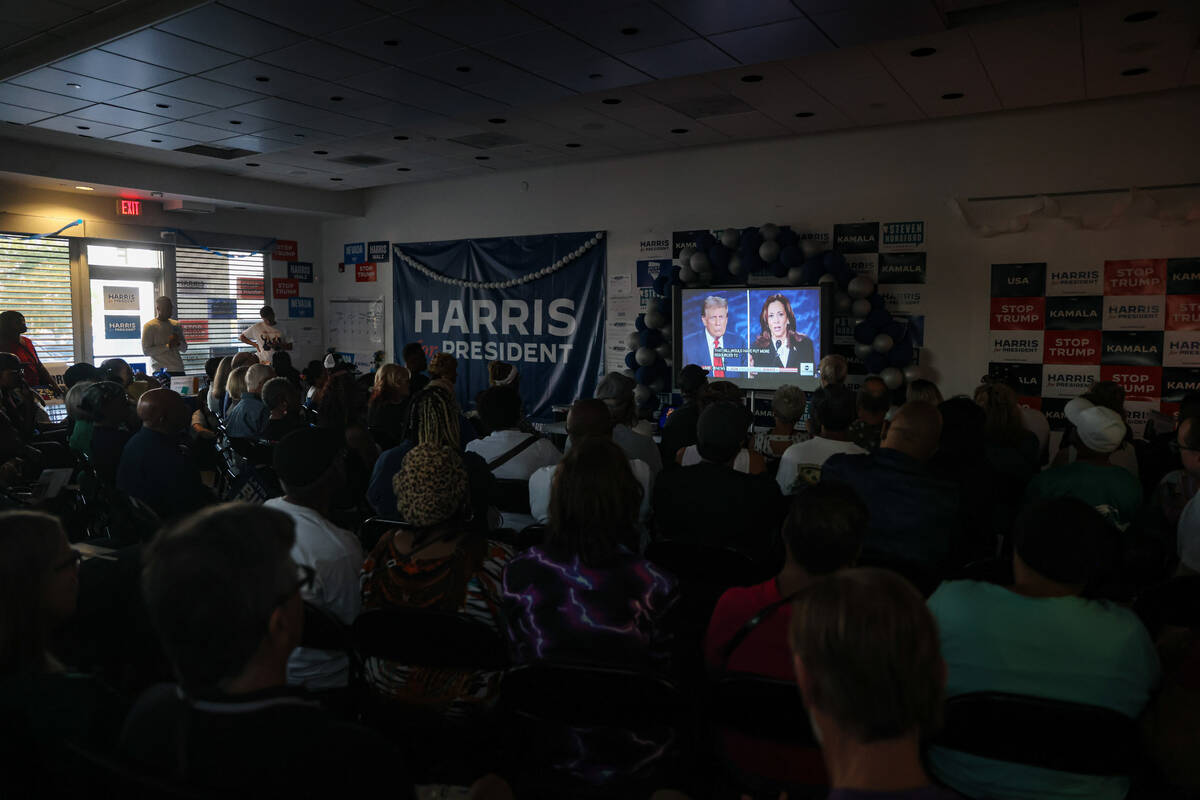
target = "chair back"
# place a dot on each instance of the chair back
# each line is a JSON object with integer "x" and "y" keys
{"x": 719, "y": 567}
{"x": 758, "y": 706}
{"x": 590, "y": 695}
{"x": 510, "y": 494}
{"x": 324, "y": 631}
{"x": 428, "y": 638}
{"x": 1039, "y": 732}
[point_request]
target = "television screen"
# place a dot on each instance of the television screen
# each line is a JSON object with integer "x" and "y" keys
{"x": 757, "y": 337}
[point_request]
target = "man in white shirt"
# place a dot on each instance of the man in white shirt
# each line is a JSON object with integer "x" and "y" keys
{"x": 309, "y": 463}
{"x": 586, "y": 419}
{"x": 617, "y": 393}
{"x": 833, "y": 409}
{"x": 266, "y": 336}
{"x": 163, "y": 339}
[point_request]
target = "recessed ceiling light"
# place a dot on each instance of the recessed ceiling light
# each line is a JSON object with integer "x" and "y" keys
{"x": 162, "y": 105}
{"x": 630, "y": 31}
{"x": 1135, "y": 71}
{"x": 463, "y": 68}
{"x": 400, "y": 138}
{"x": 752, "y": 78}
{"x": 337, "y": 98}
{"x": 482, "y": 158}
{"x": 320, "y": 152}
{"x": 83, "y": 127}
{"x": 253, "y": 164}
{"x": 261, "y": 78}
{"x": 922, "y": 52}
{"x": 573, "y": 144}
{"x": 953, "y": 96}
{"x": 805, "y": 114}
{"x": 391, "y": 42}
{"x": 336, "y": 180}
{"x": 156, "y": 141}
{"x": 235, "y": 122}
{"x": 403, "y": 169}
{"x": 73, "y": 85}
{"x": 1141, "y": 16}
{"x": 497, "y": 120}
{"x": 298, "y": 135}
{"x": 611, "y": 101}
{"x": 679, "y": 130}
{"x": 596, "y": 75}
{"x": 85, "y": 188}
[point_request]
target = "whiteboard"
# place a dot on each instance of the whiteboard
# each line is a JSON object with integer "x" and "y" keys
{"x": 356, "y": 325}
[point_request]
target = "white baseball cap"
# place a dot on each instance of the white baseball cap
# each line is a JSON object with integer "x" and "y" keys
{"x": 1187, "y": 535}
{"x": 1100, "y": 429}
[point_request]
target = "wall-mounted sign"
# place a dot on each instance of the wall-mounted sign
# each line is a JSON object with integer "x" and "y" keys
{"x": 354, "y": 253}
{"x": 300, "y": 307}
{"x": 379, "y": 251}
{"x": 301, "y": 271}
{"x": 122, "y": 327}
{"x": 365, "y": 273}
{"x": 222, "y": 308}
{"x": 194, "y": 330}
{"x": 129, "y": 208}
{"x": 250, "y": 288}
{"x": 284, "y": 288}
{"x": 122, "y": 298}
{"x": 285, "y": 250}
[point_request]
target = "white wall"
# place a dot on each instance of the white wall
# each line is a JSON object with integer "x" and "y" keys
{"x": 901, "y": 173}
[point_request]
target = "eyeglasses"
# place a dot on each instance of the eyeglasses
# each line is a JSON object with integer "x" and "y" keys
{"x": 72, "y": 561}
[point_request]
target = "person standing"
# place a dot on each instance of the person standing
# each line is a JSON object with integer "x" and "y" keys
{"x": 163, "y": 339}
{"x": 12, "y": 325}
{"x": 266, "y": 336}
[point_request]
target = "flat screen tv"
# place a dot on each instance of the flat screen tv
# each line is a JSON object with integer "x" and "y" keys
{"x": 758, "y": 337}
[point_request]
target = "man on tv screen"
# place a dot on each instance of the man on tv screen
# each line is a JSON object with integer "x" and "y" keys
{"x": 710, "y": 350}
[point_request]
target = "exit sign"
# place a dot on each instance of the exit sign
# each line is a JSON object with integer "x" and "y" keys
{"x": 129, "y": 208}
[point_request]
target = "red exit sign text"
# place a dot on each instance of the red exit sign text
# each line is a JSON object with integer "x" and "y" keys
{"x": 129, "y": 208}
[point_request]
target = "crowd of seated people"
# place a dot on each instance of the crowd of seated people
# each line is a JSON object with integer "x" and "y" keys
{"x": 918, "y": 549}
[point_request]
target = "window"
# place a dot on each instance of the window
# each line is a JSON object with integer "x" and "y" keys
{"x": 218, "y": 297}
{"x": 35, "y": 279}
{"x": 103, "y": 255}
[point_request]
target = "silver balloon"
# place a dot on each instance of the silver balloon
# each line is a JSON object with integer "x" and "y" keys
{"x": 795, "y": 276}
{"x": 735, "y": 264}
{"x": 827, "y": 278}
{"x": 768, "y": 231}
{"x": 634, "y": 341}
{"x": 916, "y": 372}
{"x": 730, "y": 236}
{"x": 810, "y": 247}
{"x": 663, "y": 350}
{"x": 860, "y": 286}
{"x": 883, "y": 343}
{"x": 700, "y": 263}
{"x": 658, "y": 386}
{"x": 842, "y": 303}
{"x": 768, "y": 251}
{"x": 859, "y": 308}
{"x": 893, "y": 377}
{"x": 687, "y": 275}
{"x": 685, "y": 255}
{"x": 646, "y": 356}
{"x": 642, "y": 394}
{"x": 655, "y": 319}
{"x": 863, "y": 350}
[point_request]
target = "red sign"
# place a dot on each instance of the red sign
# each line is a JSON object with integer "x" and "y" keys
{"x": 250, "y": 288}
{"x": 194, "y": 330}
{"x": 285, "y": 250}
{"x": 1140, "y": 383}
{"x": 1018, "y": 313}
{"x": 285, "y": 287}
{"x": 365, "y": 273}
{"x": 129, "y": 208}
{"x": 1183, "y": 312}
{"x": 1071, "y": 347}
{"x": 1137, "y": 276}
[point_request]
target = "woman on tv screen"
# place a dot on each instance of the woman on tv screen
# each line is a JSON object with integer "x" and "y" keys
{"x": 785, "y": 348}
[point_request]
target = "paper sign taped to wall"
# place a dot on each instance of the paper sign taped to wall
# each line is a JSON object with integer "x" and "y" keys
{"x": 122, "y": 298}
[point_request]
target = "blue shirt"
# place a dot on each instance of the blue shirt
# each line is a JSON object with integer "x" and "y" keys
{"x": 248, "y": 419}
{"x": 158, "y": 470}
{"x": 1064, "y": 648}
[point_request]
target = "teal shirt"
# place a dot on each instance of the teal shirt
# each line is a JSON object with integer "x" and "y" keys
{"x": 81, "y": 437}
{"x": 1065, "y": 648}
{"x": 1110, "y": 490}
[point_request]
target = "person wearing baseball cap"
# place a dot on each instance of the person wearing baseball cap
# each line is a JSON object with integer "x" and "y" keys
{"x": 1092, "y": 477}
{"x": 680, "y": 428}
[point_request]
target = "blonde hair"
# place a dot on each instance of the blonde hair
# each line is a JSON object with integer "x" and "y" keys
{"x": 833, "y": 369}
{"x": 245, "y": 359}
{"x": 236, "y": 385}
{"x": 390, "y": 377}
{"x": 220, "y": 377}
{"x": 444, "y": 366}
{"x": 1004, "y": 423}
{"x": 789, "y": 403}
{"x": 925, "y": 392}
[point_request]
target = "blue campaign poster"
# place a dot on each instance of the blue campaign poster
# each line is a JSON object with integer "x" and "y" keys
{"x": 222, "y": 308}
{"x": 122, "y": 327}
{"x": 378, "y": 252}
{"x": 354, "y": 253}
{"x": 300, "y": 307}
{"x": 300, "y": 271}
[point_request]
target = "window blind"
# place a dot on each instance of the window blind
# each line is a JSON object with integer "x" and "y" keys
{"x": 35, "y": 279}
{"x": 217, "y": 297}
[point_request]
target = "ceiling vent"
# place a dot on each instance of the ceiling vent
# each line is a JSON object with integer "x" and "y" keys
{"x": 361, "y": 160}
{"x": 178, "y": 206}
{"x": 486, "y": 141}
{"x": 717, "y": 105}
{"x": 224, "y": 153}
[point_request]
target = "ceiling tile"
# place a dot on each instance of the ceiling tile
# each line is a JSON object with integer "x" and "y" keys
{"x": 42, "y": 101}
{"x": 1162, "y": 45}
{"x": 1032, "y": 61}
{"x": 706, "y": 17}
{"x": 954, "y": 69}
{"x": 246, "y": 73}
{"x": 160, "y": 104}
{"x": 750, "y": 125}
{"x": 41, "y": 15}
{"x": 11, "y": 34}
{"x": 233, "y": 121}
{"x": 521, "y": 90}
{"x": 781, "y": 96}
{"x": 117, "y": 69}
{"x": 320, "y": 60}
{"x": 84, "y": 127}
{"x": 156, "y": 140}
{"x": 878, "y": 21}
{"x": 173, "y": 52}
{"x": 297, "y": 135}
{"x": 395, "y": 114}
{"x": 473, "y": 21}
{"x": 607, "y": 29}
{"x": 681, "y": 58}
{"x": 563, "y": 59}
{"x": 416, "y": 90}
{"x": 49, "y": 79}
{"x": 393, "y": 41}
{"x": 124, "y": 117}
{"x": 464, "y": 67}
{"x": 310, "y": 17}
{"x": 258, "y": 144}
{"x": 857, "y": 85}
{"x": 190, "y": 130}
{"x": 22, "y": 116}
{"x": 788, "y": 39}
{"x": 211, "y": 93}
{"x": 279, "y": 109}
{"x": 237, "y": 32}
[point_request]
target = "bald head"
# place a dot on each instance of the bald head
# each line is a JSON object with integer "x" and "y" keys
{"x": 587, "y": 419}
{"x": 163, "y": 410}
{"x": 915, "y": 430}
{"x": 257, "y": 377}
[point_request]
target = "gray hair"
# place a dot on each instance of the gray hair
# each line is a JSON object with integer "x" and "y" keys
{"x": 833, "y": 369}
{"x": 74, "y": 400}
{"x": 789, "y": 403}
{"x": 257, "y": 377}
{"x": 714, "y": 300}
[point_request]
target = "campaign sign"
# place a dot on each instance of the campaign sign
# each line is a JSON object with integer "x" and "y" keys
{"x": 283, "y": 288}
{"x": 1066, "y": 282}
{"x": 222, "y": 308}
{"x": 1022, "y": 347}
{"x": 379, "y": 251}
{"x": 194, "y": 330}
{"x": 1027, "y": 378}
{"x": 1138, "y": 413}
{"x": 1183, "y": 275}
{"x": 122, "y": 298}
{"x": 1072, "y": 347}
{"x": 285, "y": 250}
{"x": 1055, "y": 410}
{"x": 649, "y": 270}
{"x": 856, "y": 237}
{"x": 865, "y": 264}
{"x": 1068, "y": 380}
{"x": 900, "y": 300}
{"x": 1183, "y": 312}
{"x": 365, "y": 273}
{"x": 1139, "y": 383}
{"x": 354, "y": 253}
{"x": 122, "y": 327}
{"x": 903, "y": 234}
{"x": 854, "y": 364}
{"x": 843, "y": 330}
{"x": 682, "y": 239}
{"x": 1074, "y": 313}
{"x": 301, "y": 271}
{"x": 1135, "y": 276}
{"x": 1134, "y": 313}
{"x": 914, "y": 325}
{"x": 300, "y": 307}
{"x": 1018, "y": 314}
{"x": 1132, "y": 348}
{"x": 901, "y": 267}
{"x": 1019, "y": 280}
{"x": 1179, "y": 381}
{"x": 1181, "y": 349}
{"x": 250, "y": 288}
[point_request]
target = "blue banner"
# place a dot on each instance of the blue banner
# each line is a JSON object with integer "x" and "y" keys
{"x": 300, "y": 307}
{"x": 551, "y": 329}
{"x": 222, "y": 308}
{"x": 301, "y": 271}
{"x": 122, "y": 327}
{"x": 354, "y": 253}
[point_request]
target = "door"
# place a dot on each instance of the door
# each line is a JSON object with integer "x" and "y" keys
{"x": 123, "y": 282}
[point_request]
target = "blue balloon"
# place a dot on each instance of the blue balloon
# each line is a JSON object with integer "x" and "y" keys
{"x": 876, "y": 300}
{"x": 719, "y": 255}
{"x": 896, "y": 329}
{"x": 752, "y": 263}
{"x": 787, "y": 236}
{"x": 644, "y": 375}
{"x": 640, "y": 322}
{"x": 811, "y": 271}
{"x": 876, "y": 362}
{"x": 865, "y": 332}
{"x": 780, "y": 269}
{"x": 662, "y": 368}
{"x": 901, "y": 354}
{"x": 790, "y": 256}
{"x": 705, "y": 241}
{"x": 879, "y": 318}
{"x": 843, "y": 274}
{"x": 631, "y": 360}
{"x": 662, "y": 283}
{"x": 751, "y": 239}
{"x": 650, "y": 338}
